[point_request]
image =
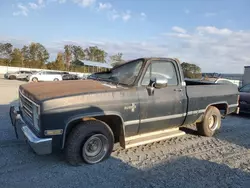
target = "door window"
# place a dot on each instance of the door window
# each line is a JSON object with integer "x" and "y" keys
{"x": 161, "y": 70}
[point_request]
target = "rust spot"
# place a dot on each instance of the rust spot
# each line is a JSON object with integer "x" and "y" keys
{"x": 88, "y": 118}
{"x": 45, "y": 90}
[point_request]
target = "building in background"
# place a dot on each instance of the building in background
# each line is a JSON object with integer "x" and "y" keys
{"x": 246, "y": 75}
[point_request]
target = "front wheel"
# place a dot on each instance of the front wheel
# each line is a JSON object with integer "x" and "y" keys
{"x": 34, "y": 79}
{"x": 211, "y": 122}
{"x": 90, "y": 142}
{"x": 56, "y": 79}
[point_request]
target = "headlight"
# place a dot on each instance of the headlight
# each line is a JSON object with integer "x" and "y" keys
{"x": 36, "y": 116}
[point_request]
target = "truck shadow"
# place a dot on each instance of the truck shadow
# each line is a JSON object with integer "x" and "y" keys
{"x": 50, "y": 171}
{"x": 234, "y": 129}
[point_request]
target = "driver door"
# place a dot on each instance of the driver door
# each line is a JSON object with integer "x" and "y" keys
{"x": 165, "y": 108}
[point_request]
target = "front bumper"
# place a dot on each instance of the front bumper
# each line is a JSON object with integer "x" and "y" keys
{"x": 41, "y": 146}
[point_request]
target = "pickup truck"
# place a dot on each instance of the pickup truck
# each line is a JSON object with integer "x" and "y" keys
{"x": 142, "y": 101}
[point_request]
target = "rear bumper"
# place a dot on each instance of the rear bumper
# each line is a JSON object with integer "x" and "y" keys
{"x": 41, "y": 146}
{"x": 233, "y": 108}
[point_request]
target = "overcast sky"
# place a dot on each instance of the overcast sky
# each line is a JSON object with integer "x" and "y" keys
{"x": 215, "y": 34}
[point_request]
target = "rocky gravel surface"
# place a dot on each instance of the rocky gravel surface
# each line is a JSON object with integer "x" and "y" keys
{"x": 187, "y": 161}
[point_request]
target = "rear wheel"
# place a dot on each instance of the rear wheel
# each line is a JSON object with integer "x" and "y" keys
{"x": 90, "y": 142}
{"x": 34, "y": 79}
{"x": 211, "y": 122}
{"x": 12, "y": 77}
{"x": 56, "y": 79}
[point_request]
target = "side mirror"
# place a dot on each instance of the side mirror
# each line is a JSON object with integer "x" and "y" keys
{"x": 160, "y": 83}
{"x": 156, "y": 83}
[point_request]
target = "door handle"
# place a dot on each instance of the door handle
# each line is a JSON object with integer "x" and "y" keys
{"x": 178, "y": 90}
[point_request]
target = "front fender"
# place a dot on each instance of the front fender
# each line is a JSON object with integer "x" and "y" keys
{"x": 70, "y": 122}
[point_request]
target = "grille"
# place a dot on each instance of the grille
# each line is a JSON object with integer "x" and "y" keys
{"x": 26, "y": 107}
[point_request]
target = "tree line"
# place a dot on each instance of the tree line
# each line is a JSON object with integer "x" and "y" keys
{"x": 35, "y": 55}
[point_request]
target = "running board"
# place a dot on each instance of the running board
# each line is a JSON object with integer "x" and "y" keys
{"x": 147, "y": 138}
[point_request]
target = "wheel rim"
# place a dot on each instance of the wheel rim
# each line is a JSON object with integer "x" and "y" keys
{"x": 34, "y": 80}
{"x": 213, "y": 123}
{"x": 95, "y": 148}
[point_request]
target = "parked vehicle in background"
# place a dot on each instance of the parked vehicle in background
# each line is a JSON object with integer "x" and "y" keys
{"x": 18, "y": 75}
{"x": 245, "y": 98}
{"x": 68, "y": 76}
{"x": 222, "y": 81}
{"x": 139, "y": 102}
{"x": 226, "y": 81}
{"x": 234, "y": 78}
{"x": 45, "y": 76}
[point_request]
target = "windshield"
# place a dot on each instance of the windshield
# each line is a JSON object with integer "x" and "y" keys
{"x": 125, "y": 74}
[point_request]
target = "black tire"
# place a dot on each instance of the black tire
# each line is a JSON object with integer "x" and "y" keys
{"x": 12, "y": 77}
{"x": 79, "y": 138}
{"x": 211, "y": 122}
{"x": 56, "y": 79}
{"x": 34, "y": 79}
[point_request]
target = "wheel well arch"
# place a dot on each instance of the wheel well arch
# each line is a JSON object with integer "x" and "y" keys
{"x": 222, "y": 106}
{"x": 115, "y": 122}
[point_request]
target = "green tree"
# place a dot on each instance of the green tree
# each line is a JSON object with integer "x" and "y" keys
{"x": 5, "y": 53}
{"x": 59, "y": 63}
{"x": 77, "y": 52}
{"x": 35, "y": 55}
{"x": 16, "y": 58}
{"x": 116, "y": 59}
{"x": 68, "y": 55}
{"x": 93, "y": 53}
{"x": 38, "y": 54}
{"x": 191, "y": 70}
{"x": 25, "y": 54}
{"x": 50, "y": 65}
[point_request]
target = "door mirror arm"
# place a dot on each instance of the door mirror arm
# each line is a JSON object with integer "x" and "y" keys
{"x": 151, "y": 87}
{"x": 156, "y": 83}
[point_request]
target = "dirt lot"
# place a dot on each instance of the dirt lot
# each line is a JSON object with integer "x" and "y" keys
{"x": 188, "y": 161}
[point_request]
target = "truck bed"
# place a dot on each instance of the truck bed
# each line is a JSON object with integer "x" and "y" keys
{"x": 201, "y": 94}
{"x": 198, "y": 82}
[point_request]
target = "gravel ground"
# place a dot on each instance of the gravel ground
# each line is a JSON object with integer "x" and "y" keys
{"x": 187, "y": 161}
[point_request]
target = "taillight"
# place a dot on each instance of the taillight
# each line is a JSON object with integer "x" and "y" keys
{"x": 238, "y": 100}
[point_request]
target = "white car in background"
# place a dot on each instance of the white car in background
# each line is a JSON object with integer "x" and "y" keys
{"x": 45, "y": 76}
{"x": 227, "y": 81}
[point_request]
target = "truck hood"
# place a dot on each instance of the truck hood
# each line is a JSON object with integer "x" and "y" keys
{"x": 46, "y": 90}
